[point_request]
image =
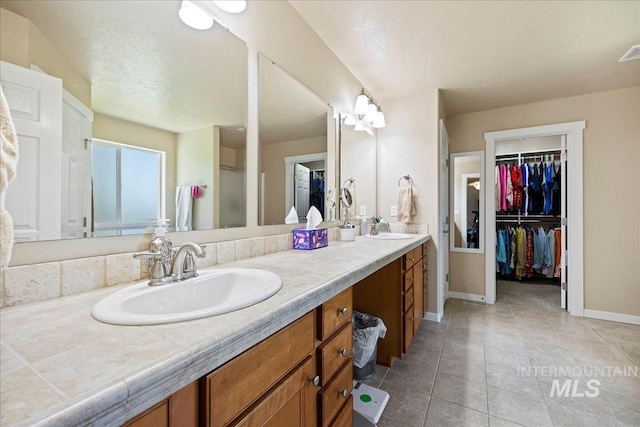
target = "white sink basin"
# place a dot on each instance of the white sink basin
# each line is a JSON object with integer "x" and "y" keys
{"x": 212, "y": 292}
{"x": 390, "y": 236}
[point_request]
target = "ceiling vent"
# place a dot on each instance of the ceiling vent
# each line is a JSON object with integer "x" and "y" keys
{"x": 633, "y": 53}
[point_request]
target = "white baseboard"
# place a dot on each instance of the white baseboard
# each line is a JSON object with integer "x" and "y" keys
{"x": 469, "y": 297}
{"x": 433, "y": 317}
{"x": 614, "y": 317}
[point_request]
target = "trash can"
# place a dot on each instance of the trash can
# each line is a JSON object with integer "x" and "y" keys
{"x": 366, "y": 331}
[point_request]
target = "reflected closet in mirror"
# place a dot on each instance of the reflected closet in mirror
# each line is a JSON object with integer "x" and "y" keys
{"x": 467, "y": 202}
{"x": 149, "y": 126}
{"x": 296, "y": 167}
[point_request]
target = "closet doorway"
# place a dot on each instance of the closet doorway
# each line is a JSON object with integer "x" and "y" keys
{"x": 559, "y": 145}
{"x": 530, "y": 194}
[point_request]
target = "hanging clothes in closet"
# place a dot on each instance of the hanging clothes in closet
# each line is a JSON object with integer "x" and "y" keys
{"x": 530, "y": 187}
{"x": 317, "y": 190}
{"x": 526, "y": 252}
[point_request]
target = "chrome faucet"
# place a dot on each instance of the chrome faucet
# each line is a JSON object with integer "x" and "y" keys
{"x": 183, "y": 263}
{"x": 161, "y": 255}
{"x": 380, "y": 225}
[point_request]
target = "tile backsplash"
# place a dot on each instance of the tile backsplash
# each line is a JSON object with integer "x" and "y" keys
{"x": 38, "y": 282}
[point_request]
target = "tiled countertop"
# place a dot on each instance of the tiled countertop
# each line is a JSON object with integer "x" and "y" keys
{"x": 59, "y": 366}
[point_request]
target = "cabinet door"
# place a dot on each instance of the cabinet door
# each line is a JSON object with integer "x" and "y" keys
{"x": 291, "y": 402}
{"x": 337, "y": 391}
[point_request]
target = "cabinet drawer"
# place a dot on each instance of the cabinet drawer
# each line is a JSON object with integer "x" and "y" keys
{"x": 407, "y": 330}
{"x": 345, "y": 416}
{"x": 230, "y": 389}
{"x": 333, "y": 352}
{"x": 408, "y": 300}
{"x": 417, "y": 308}
{"x": 334, "y": 313}
{"x": 412, "y": 257}
{"x": 335, "y": 393}
{"x": 290, "y": 403}
{"x": 408, "y": 280}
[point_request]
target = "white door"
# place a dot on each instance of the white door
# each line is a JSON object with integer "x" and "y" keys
{"x": 563, "y": 222}
{"x": 34, "y": 197}
{"x": 301, "y": 201}
{"x": 76, "y": 201}
{"x": 443, "y": 252}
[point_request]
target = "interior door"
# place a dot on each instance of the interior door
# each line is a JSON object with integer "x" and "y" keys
{"x": 303, "y": 185}
{"x": 563, "y": 225}
{"x": 443, "y": 252}
{"x": 76, "y": 132}
{"x": 34, "y": 197}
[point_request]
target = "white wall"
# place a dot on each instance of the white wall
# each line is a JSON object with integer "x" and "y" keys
{"x": 409, "y": 145}
{"x": 358, "y": 161}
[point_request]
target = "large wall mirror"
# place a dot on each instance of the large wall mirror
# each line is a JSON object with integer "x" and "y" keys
{"x": 297, "y": 168}
{"x": 358, "y": 169}
{"x": 467, "y": 202}
{"x": 161, "y": 105}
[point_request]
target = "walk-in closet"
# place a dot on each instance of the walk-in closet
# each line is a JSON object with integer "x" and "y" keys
{"x": 530, "y": 182}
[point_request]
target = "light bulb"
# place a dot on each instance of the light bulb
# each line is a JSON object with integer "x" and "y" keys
{"x": 231, "y": 6}
{"x": 379, "y": 121}
{"x": 372, "y": 112}
{"x": 361, "y": 104}
{"x": 194, "y": 17}
{"x": 349, "y": 120}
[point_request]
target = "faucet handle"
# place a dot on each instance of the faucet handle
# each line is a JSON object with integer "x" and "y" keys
{"x": 204, "y": 252}
{"x": 148, "y": 255}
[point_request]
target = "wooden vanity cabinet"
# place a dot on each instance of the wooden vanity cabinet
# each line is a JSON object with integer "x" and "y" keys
{"x": 335, "y": 365}
{"x": 178, "y": 410}
{"x": 425, "y": 278}
{"x": 273, "y": 378}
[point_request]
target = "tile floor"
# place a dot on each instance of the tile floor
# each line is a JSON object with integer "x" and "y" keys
{"x": 470, "y": 370}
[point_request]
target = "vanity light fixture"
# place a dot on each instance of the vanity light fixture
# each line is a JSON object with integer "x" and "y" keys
{"x": 379, "y": 120}
{"x": 231, "y": 6}
{"x": 194, "y": 17}
{"x": 362, "y": 101}
{"x": 372, "y": 112}
{"x": 349, "y": 120}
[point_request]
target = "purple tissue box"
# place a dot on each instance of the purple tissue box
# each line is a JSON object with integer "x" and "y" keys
{"x": 310, "y": 239}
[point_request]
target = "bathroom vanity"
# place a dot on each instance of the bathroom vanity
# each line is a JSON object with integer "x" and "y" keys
{"x": 287, "y": 357}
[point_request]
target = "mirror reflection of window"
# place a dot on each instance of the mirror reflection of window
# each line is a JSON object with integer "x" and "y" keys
{"x": 127, "y": 188}
{"x": 467, "y": 202}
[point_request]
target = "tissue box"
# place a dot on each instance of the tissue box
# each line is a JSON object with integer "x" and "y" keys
{"x": 310, "y": 239}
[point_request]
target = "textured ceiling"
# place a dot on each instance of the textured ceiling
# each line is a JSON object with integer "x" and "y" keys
{"x": 145, "y": 65}
{"x": 482, "y": 55}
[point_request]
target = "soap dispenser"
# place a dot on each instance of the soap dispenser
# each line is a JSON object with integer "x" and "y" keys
{"x": 162, "y": 245}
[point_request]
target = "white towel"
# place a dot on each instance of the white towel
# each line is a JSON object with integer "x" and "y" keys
{"x": 406, "y": 204}
{"x": 184, "y": 203}
{"x": 8, "y": 166}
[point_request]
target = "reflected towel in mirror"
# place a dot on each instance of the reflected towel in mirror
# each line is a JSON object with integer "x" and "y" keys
{"x": 184, "y": 203}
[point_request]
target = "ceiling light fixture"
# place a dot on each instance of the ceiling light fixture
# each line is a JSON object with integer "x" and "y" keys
{"x": 231, "y": 6}
{"x": 194, "y": 17}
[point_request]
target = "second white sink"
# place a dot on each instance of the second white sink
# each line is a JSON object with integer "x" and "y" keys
{"x": 213, "y": 292}
{"x": 390, "y": 236}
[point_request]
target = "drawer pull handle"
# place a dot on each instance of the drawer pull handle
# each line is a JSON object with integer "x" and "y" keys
{"x": 315, "y": 380}
{"x": 343, "y": 311}
{"x": 412, "y": 259}
{"x": 411, "y": 300}
{"x": 343, "y": 352}
{"x": 411, "y": 279}
{"x": 344, "y": 393}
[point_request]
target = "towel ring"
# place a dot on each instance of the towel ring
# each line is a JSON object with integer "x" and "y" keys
{"x": 350, "y": 181}
{"x": 406, "y": 177}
